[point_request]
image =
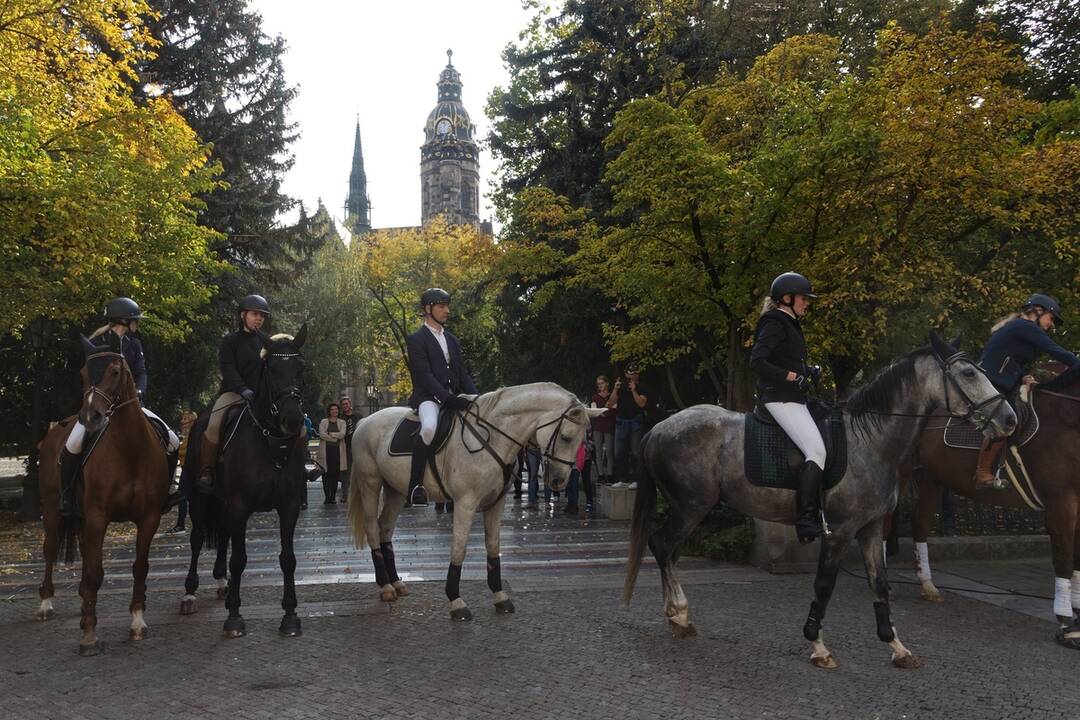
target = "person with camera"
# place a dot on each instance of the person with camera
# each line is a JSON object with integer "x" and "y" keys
{"x": 628, "y": 399}
{"x": 779, "y": 360}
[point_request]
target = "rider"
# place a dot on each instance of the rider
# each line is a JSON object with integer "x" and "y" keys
{"x": 240, "y": 358}
{"x": 1013, "y": 345}
{"x": 122, "y": 316}
{"x": 438, "y": 375}
{"x": 779, "y": 359}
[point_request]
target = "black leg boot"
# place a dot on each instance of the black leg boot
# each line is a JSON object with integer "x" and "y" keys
{"x": 808, "y": 503}
{"x": 416, "y": 494}
{"x": 69, "y": 468}
{"x": 172, "y": 487}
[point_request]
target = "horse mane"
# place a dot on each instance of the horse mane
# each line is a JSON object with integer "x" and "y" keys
{"x": 487, "y": 401}
{"x": 1062, "y": 381}
{"x": 99, "y": 332}
{"x": 865, "y": 403}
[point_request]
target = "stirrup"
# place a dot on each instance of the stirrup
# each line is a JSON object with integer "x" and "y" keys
{"x": 417, "y": 497}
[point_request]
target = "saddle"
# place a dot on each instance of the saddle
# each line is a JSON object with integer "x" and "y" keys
{"x": 771, "y": 459}
{"x": 966, "y": 435}
{"x": 407, "y": 433}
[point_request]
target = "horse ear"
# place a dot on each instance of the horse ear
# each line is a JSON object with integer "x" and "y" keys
{"x": 957, "y": 340}
{"x": 88, "y": 347}
{"x": 300, "y": 337}
{"x": 940, "y": 347}
{"x": 595, "y": 412}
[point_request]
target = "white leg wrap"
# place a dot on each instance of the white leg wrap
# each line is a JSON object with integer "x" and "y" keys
{"x": 1076, "y": 590}
{"x": 75, "y": 439}
{"x": 501, "y": 596}
{"x": 922, "y": 555}
{"x": 137, "y": 621}
{"x": 818, "y": 647}
{"x": 898, "y": 649}
{"x": 223, "y": 583}
{"x": 46, "y": 607}
{"x": 1062, "y": 600}
{"x": 457, "y": 604}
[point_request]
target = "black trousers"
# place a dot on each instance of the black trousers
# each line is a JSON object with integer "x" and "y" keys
{"x": 330, "y": 483}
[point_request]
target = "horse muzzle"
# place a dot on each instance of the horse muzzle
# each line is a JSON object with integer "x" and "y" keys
{"x": 1001, "y": 423}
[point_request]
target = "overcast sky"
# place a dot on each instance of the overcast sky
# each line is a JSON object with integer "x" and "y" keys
{"x": 381, "y": 60}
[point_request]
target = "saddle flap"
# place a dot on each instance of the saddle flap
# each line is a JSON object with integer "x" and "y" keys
{"x": 771, "y": 459}
{"x": 407, "y": 432}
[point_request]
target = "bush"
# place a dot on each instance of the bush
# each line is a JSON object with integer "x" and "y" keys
{"x": 725, "y": 534}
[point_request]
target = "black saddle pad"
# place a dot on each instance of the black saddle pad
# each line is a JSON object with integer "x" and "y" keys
{"x": 407, "y": 433}
{"x": 161, "y": 430}
{"x": 772, "y": 460}
{"x": 967, "y": 436}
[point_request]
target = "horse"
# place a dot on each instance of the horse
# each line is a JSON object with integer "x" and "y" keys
{"x": 261, "y": 468}
{"x": 124, "y": 479}
{"x": 696, "y": 458}
{"x": 473, "y": 471}
{"x": 1050, "y": 457}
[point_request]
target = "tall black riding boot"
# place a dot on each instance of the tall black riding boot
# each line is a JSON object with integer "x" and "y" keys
{"x": 416, "y": 494}
{"x": 808, "y": 503}
{"x": 69, "y": 468}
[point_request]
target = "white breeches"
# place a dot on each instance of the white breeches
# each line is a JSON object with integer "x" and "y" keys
{"x": 77, "y": 436}
{"x": 796, "y": 421}
{"x": 429, "y": 420}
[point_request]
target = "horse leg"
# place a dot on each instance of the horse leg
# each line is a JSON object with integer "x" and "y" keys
{"x": 1076, "y": 573}
{"x": 492, "y": 521}
{"x": 234, "y": 624}
{"x": 92, "y": 576}
{"x": 51, "y": 548}
{"x": 139, "y": 569}
{"x": 929, "y": 496}
{"x": 392, "y": 505}
{"x": 290, "y": 623}
{"x": 869, "y": 537}
{"x": 221, "y": 567}
{"x": 370, "y": 489}
{"x": 463, "y": 517}
{"x": 664, "y": 543}
{"x": 1062, "y": 527}
{"x": 832, "y": 548}
{"x": 189, "y": 605}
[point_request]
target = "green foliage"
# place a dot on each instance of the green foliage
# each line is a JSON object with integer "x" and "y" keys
{"x": 724, "y": 534}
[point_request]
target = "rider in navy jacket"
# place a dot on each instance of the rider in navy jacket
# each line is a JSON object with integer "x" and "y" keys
{"x": 1007, "y": 360}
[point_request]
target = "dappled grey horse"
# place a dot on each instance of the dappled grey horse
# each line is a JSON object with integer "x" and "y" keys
{"x": 474, "y": 468}
{"x": 695, "y": 458}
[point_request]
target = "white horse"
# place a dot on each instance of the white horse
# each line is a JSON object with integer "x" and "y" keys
{"x": 474, "y": 467}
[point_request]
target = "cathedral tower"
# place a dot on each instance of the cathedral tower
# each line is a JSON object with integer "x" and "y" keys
{"x": 357, "y": 205}
{"x": 449, "y": 157}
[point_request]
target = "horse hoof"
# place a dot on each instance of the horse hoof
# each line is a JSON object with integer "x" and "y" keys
{"x": 825, "y": 663}
{"x": 504, "y": 608}
{"x": 401, "y": 590}
{"x": 682, "y": 631}
{"x": 91, "y": 650}
{"x": 461, "y": 614}
{"x": 931, "y": 596}
{"x": 906, "y": 662}
{"x": 222, "y": 593}
{"x": 139, "y": 634}
{"x": 1069, "y": 637}
{"x": 388, "y": 595}
{"x": 235, "y": 627}
{"x": 188, "y": 607}
{"x": 44, "y": 615}
{"x": 290, "y": 626}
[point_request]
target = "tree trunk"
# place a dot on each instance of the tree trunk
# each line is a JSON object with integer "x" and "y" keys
{"x": 674, "y": 389}
{"x": 740, "y": 386}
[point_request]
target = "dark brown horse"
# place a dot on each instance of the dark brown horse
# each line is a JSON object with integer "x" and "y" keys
{"x": 1052, "y": 459}
{"x": 124, "y": 479}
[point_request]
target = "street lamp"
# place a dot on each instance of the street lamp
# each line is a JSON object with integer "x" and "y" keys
{"x": 40, "y": 332}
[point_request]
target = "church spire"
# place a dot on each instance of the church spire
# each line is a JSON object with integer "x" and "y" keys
{"x": 357, "y": 205}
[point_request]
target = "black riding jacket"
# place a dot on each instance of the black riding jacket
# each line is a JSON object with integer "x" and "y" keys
{"x": 779, "y": 347}
{"x": 241, "y": 361}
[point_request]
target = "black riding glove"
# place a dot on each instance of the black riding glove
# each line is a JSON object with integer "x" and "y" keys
{"x": 248, "y": 394}
{"x": 457, "y": 402}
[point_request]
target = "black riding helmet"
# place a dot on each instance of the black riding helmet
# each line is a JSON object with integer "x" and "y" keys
{"x": 434, "y": 296}
{"x": 790, "y": 283}
{"x": 121, "y": 310}
{"x": 1048, "y": 304}
{"x": 254, "y": 302}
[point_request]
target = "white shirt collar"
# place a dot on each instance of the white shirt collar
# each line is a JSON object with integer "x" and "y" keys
{"x": 438, "y": 330}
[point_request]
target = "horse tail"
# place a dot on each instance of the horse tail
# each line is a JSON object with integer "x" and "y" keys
{"x": 356, "y": 506}
{"x": 215, "y": 521}
{"x": 641, "y": 524}
{"x": 67, "y": 546}
{"x": 207, "y": 510}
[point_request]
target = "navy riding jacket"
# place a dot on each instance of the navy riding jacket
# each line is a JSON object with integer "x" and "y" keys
{"x": 1011, "y": 350}
{"x": 433, "y": 378}
{"x": 131, "y": 349}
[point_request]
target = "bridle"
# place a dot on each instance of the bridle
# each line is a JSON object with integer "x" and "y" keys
{"x": 114, "y": 400}
{"x": 292, "y": 391}
{"x": 974, "y": 410}
{"x": 548, "y": 452}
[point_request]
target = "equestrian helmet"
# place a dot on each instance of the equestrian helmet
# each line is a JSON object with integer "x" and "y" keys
{"x": 790, "y": 283}
{"x": 255, "y": 303}
{"x": 122, "y": 309}
{"x": 1047, "y": 303}
{"x": 434, "y": 296}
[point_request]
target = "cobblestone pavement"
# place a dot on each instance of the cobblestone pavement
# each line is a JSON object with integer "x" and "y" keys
{"x": 569, "y": 651}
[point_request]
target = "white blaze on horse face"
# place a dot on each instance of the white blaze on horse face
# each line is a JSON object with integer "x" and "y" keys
{"x": 1062, "y": 601}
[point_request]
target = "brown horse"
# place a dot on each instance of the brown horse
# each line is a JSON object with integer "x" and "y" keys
{"x": 124, "y": 479}
{"x": 1052, "y": 459}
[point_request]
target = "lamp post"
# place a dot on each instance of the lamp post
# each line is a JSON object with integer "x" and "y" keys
{"x": 40, "y": 331}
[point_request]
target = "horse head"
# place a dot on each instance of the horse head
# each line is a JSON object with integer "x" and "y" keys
{"x": 109, "y": 384}
{"x": 966, "y": 391}
{"x": 559, "y": 440}
{"x": 284, "y": 365}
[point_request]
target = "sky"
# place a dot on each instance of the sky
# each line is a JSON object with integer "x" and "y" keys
{"x": 380, "y": 61}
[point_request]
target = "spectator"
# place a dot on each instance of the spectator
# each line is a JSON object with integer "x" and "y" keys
{"x": 187, "y": 421}
{"x": 518, "y": 469}
{"x": 350, "y": 419}
{"x": 331, "y": 458}
{"x": 532, "y": 464}
{"x": 603, "y": 429}
{"x": 628, "y": 399}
